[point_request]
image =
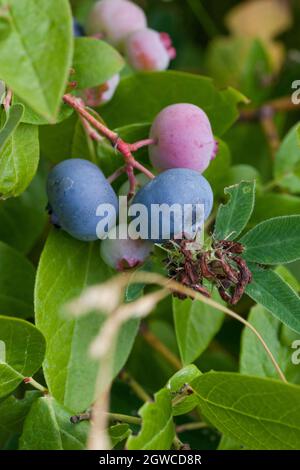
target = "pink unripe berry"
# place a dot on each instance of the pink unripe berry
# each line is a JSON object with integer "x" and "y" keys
{"x": 96, "y": 96}
{"x": 149, "y": 50}
{"x": 115, "y": 19}
{"x": 123, "y": 254}
{"x": 183, "y": 138}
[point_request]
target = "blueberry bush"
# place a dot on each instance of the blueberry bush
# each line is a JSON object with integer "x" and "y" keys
{"x": 149, "y": 344}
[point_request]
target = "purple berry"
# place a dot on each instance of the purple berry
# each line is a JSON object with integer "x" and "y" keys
{"x": 125, "y": 254}
{"x": 115, "y": 20}
{"x": 149, "y": 50}
{"x": 183, "y": 138}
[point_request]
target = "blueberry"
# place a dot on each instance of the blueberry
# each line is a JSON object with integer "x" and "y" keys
{"x": 175, "y": 186}
{"x": 75, "y": 190}
{"x": 78, "y": 30}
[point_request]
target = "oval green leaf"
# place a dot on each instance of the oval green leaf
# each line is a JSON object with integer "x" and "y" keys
{"x": 66, "y": 267}
{"x": 23, "y": 350}
{"x": 37, "y": 74}
{"x": 274, "y": 241}
{"x": 261, "y": 414}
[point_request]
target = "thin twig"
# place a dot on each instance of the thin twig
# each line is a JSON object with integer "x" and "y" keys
{"x": 135, "y": 386}
{"x": 35, "y": 384}
{"x": 160, "y": 347}
{"x": 270, "y": 130}
{"x": 116, "y": 174}
{"x": 141, "y": 143}
{"x": 124, "y": 418}
{"x": 283, "y": 104}
{"x": 191, "y": 427}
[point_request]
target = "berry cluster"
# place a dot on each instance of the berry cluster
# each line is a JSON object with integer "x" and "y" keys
{"x": 123, "y": 24}
{"x": 181, "y": 144}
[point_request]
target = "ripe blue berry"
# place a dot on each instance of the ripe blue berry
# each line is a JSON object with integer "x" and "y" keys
{"x": 76, "y": 188}
{"x": 176, "y": 186}
{"x": 125, "y": 254}
{"x": 78, "y": 30}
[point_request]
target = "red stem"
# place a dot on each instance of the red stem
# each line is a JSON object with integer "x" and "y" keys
{"x": 116, "y": 174}
{"x": 141, "y": 143}
{"x": 76, "y": 104}
{"x": 123, "y": 147}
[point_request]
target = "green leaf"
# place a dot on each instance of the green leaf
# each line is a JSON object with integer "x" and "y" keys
{"x": 270, "y": 290}
{"x": 234, "y": 216}
{"x": 22, "y": 219}
{"x": 287, "y": 162}
{"x": 275, "y": 241}
{"x": 257, "y": 154}
{"x": 262, "y": 414}
{"x": 19, "y": 157}
{"x": 35, "y": 71}
{"x": 242, "y": 172}
{"x": 12, "y": 414}
{"x": 13, "y": 118}
{"x": 140, "y": 97}
{"x": 195, "y": 324}
{"x": 288, "y": 277}
{"x": 31, "y": 117}
{"x": 158, "y": 430}
{"x": 66, "y": 267}
{"x": 57, "y": 141}
{"x": 177, "y": 383}
{"x": 268, "y": 206}
{"x": 16, "y": 283}
{"x": 94, "y": 62}
{"x": 227, "y": 443}
{"x": 119, "y": 433}
{"x": 256, "y": 68}
{"x": 241, "y": 62}
{"x": 254, "y": 359}
{"x": 48, "y": 427}
{"x": 24, "y": 352}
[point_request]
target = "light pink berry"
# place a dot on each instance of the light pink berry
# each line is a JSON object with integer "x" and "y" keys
{"x": 96, "y": 96}
{"x": 115, "y": 19}
{"x": 125, "y": 254}
{"x": 149, "y": 50}
{"x": 183, "y": 138}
